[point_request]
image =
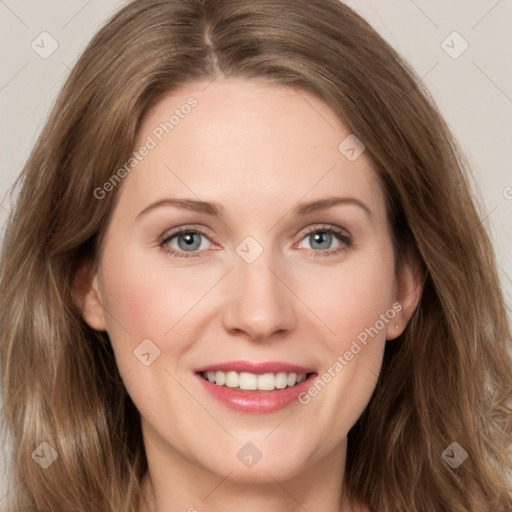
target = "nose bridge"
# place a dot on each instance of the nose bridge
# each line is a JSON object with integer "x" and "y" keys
{"x": 260, "y": 304}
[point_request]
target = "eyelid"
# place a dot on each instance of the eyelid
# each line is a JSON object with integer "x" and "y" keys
{"x": 186, "y": 228}
{"x": 344, "y": 236}
{"x": 326, "y": 227}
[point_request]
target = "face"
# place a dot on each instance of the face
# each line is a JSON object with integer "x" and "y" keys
{"x": 223, "y": 260}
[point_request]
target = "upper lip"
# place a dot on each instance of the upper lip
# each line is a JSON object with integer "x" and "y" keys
{"x": 255, "y": 367}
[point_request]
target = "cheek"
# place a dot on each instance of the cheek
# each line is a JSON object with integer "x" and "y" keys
{"x": 147, "y": 298}
{"x": 357, "y": 307}
{"x": 351, "y": 299}
{"x": 146, "y": 302}
{"x": 367, "y": 296}
{"x": 151, "y": 298}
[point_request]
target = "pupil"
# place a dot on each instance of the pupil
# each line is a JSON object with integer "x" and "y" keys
{"x": 324, "y": 238}
{"x": 189, "y": 241}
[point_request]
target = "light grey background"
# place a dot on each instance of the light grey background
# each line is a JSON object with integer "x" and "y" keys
{"x": 473, "y": 91}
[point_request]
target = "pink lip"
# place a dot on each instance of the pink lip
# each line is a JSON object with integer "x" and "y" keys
{"x": 256, "y": 368}
{"x": 255, "y": 402}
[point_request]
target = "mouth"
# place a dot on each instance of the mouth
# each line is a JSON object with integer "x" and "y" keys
{"x": 256, "y": 388}
{"x": 245, "y": 381}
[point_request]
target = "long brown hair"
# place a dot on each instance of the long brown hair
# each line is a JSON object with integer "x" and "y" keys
{"x": 448, "y": 378}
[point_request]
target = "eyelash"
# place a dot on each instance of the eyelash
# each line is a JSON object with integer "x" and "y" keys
{"x": 344, "y": 238}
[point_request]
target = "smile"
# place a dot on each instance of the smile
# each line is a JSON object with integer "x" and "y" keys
{"x": 252, "y": 381}
{"x": 256, "y": 388}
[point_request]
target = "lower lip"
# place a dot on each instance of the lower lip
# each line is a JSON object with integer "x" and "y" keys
{"x": 256, "y": 402}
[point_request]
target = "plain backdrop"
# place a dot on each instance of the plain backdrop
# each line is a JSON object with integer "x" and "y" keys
{"x": 469, "y": 74}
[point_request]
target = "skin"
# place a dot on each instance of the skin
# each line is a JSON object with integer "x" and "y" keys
{"x": 257, "y": 149}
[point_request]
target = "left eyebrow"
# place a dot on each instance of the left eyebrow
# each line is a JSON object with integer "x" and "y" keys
{"x": 322, "y": 204}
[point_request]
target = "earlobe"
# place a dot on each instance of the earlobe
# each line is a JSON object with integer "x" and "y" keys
{"x": 87, "y": 297}
{"x": 408, "y": 295}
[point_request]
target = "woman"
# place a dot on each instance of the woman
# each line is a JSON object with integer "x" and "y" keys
{"x": 172, "y": 336}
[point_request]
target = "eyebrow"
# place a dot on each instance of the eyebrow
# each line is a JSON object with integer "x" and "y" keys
{"x": 215, "y": 209}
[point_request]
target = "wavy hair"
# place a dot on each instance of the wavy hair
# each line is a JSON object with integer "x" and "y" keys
{"x": 447, "y": 378}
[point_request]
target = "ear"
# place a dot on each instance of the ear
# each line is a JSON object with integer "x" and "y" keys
{"x": 87, "y": 297}
{"x": 409, "y": 287}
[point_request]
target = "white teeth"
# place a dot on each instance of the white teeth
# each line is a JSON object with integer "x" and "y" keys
{"x": 220, "y": 378}
{"x": 248, "y": 381}
{"x": 292, "y": 379}
{"x": 281, "y": 380}
{"x": 251, "y": 381}
{"x": 232, "y": 379}
{"x": 267, "y": 382}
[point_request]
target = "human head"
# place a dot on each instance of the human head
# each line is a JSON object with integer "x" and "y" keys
{"x": 145, "y": 53}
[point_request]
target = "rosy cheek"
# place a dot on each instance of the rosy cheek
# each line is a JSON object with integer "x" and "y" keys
{"x": 150, "y": 304}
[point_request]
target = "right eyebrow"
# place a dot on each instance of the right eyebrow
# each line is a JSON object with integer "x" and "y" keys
{"x": 194, "y": 205}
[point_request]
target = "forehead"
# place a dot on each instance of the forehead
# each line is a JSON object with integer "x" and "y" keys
{"x": 246, "y": 143}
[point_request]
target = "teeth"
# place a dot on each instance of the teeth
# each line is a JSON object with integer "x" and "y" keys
{"x": 232, "y": 379}
{"x": 220, "y": 378}
{"x": 266, "y": 382}
{"x": 247, "y": 381}
{"x": 251, "y": 381}
{"x": 281, "y": 380}
{"x": 291, "y": 379}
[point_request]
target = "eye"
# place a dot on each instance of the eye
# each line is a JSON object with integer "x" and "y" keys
{"x": 185, "y": 240}
{"x": 321, "y": 238}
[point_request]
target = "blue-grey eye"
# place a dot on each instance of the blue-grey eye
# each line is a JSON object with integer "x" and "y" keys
{"x": 319, "y": 240}
{"x": 323, "y": 239}
{"x": 188, "y": 241}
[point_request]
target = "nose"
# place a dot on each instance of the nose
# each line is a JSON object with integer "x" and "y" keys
{"x": 260, "y": 305}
